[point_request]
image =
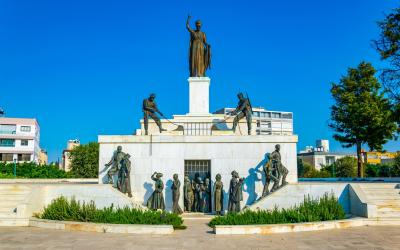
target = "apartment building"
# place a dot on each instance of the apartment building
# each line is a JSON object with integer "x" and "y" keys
{"x": 19, "y": 140}
{"x": 268, "y": 122}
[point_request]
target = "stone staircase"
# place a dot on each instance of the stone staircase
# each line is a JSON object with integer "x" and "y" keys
{"x": 385, "y": 196}
{"x": 10, "y": 197}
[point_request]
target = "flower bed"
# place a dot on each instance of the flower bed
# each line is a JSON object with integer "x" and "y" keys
{"x": 310, "y": 210}
{"x": 62, "y": 209}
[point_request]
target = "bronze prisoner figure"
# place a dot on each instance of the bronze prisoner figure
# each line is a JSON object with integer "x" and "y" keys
{"x": 235, "y": 193}
{"x": 156, "y": 200}
{"x": 124, "y": 179}
{"x": 218, "y": 195}
{"x": 176, "y": 186}
{"x": 188, "y": 194}
{"x": 115, "y": 164}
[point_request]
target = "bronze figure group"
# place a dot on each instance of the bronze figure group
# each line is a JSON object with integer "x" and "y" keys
{"x": 274, "y": 170}
{"x": 120, "y": 164}
{"x": 197, "y": 194}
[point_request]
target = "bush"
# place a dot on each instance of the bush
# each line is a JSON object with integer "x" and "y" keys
{"x": 85, "y": 160}
{"x": 311, "y": 172}
{"x": 65, "y": 210}
{"x": 345, "y": 167}
{"x": 323, "y": 209}
{"x": 31, "y": 170}
{"x": 371, "y": 170}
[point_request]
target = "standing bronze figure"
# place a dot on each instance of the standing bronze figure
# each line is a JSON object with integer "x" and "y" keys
{"x": 188, "y": 194}
{"x": 176, "y": 186}
{"x": 271, "y": 173}
{"x": 206, "y": 188}
{"x": 243, "y": 109}
{"x": 235, "y": 193}
{"x": 277, "y": 164}
{"x": 124, "y": 179}
{"x": 150, "y": 109}
{"x": 199, "y": 51}
{"x": 156, "y": 200}
{"x": 218, "y": 195}
{"x": 115, "y": 164}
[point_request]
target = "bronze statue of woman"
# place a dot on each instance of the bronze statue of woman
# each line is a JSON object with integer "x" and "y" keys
{"x": 199, "y": 51}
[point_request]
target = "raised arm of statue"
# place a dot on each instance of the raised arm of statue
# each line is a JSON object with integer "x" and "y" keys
{"x": 188, "y": 24}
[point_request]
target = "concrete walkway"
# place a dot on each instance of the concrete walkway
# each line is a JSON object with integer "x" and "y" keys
{"x": 199, "y": 236}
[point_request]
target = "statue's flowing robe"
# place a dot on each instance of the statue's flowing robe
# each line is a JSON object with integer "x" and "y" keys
{"x": 199, "y": 54}
{"x": 156, "y": 200}
{"x": 176, "y": 186}
{"x": 124, "y": 180}
{"x": 235, "y": 195}
{"x": 218, "y": 196}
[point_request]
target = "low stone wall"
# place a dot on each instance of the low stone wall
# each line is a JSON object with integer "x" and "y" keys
{"x": 50, "y": 181}
{"x": 101, "y": 228}
{"x": 303, "y": 227}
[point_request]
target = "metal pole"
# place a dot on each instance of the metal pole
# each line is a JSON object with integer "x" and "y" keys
{"x": 15, "y": 168}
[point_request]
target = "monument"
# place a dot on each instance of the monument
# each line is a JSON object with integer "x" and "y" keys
{"x": 199, "y": 145}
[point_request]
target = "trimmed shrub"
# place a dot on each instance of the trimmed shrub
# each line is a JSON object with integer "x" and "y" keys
{"x": 323, "y": 209}
{"x": 72, "y": 210}
{"x": 31, "y": 170}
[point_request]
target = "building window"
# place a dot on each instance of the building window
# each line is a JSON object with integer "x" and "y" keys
{"x": 201, "y": 167}
{"x": 256, "y": 113}
{"x": 24, "y": 142}
{"x": 287, "y": 115}
{"x": 7, "y": 143}
{"x": 6, "y": 157}
{"x": 24, "y": 157}
{"x": 266, "y": 114}
{"x": 25, "y": 128}
{"x": 276, "y": 115}
{"x": 7, "y": 129}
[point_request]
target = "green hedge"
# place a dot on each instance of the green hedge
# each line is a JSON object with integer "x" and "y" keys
{"x": 72, "y": 210}
{"x": 323, "y": 209}
{"x": 32, "y": 170}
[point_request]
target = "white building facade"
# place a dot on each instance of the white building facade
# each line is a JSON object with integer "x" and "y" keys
{"x": 269, "y": 122}
{"x": 19, "y": 140}
{"x": 198, "y": 142}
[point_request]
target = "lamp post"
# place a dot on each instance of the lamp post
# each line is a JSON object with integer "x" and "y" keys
{"x": 15, "y": 168}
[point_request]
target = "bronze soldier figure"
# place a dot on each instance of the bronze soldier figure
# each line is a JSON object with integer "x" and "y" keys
{"x": 235, "y": 193}
{"x": 243, "y": 109}
{"x": 124, "y": 179}
{"x": 199, "y": 51}
{"x": 277, "y": 164}
{"x": 115, "y": 162}
{"x": 176, "y": 186}
{"x": 150, "y": 109}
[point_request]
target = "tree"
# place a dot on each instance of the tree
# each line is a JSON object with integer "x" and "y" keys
{"x": 361, "y": 113}
{"x": 85, "y": 160}
{"x": 388, "y": 46}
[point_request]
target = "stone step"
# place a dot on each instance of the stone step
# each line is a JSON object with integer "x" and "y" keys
{"x": 388, "y": 209}
{"x": 13, "y": 221}
{"x": 5, "y": 193}
{"x": 7, "y": 210}
{"x": 14, "y": 187}
{"x": 15, "y": 197}
{"x": 382, "y": 197}
{"x": 389, "y": 214}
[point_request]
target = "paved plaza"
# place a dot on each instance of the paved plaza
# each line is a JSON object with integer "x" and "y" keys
{"x": 200, "y": 236}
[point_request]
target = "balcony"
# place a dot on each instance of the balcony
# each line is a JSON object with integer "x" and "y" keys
{"x": 7, "y": 132}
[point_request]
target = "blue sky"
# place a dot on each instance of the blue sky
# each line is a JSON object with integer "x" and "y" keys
{"x": 83, "y": 67}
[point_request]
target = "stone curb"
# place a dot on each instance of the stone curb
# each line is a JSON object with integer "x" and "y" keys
{"x": 304, "y": 227}
{"x": 101, "y": 228}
